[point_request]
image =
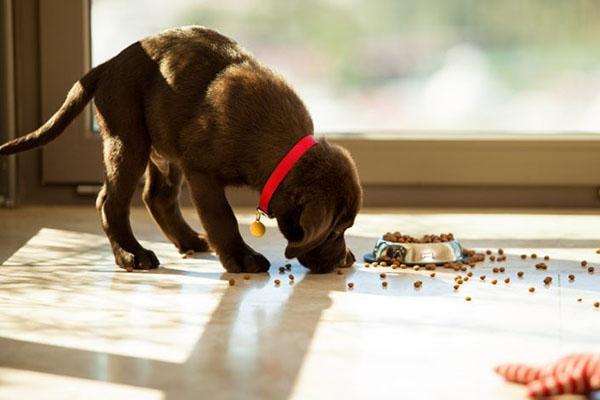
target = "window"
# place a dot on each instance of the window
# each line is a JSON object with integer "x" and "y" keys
{"x": 429, "y": 67}
{"x": 453, "y": 102}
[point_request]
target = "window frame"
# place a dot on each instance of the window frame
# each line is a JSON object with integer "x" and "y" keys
{"x": 8, "y": 165}
{"x": 402, "y": 160}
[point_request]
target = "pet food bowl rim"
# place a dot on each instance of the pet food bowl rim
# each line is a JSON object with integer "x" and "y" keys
{"x": 454, "y": 245}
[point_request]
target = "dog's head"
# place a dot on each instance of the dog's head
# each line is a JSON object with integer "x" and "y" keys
{"x": 320, "y": 201}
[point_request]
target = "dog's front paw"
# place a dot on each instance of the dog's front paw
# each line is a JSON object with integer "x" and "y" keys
{"x": 143, "y": 259}
{"x": 246, "y": 260}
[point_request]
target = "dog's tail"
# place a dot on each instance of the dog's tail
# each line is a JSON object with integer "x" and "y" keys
{"x": 80, "y": 94}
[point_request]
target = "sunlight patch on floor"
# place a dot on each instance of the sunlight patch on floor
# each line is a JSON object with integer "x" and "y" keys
{"x": 19, "y": 384}
{"x": 56, "y": 290}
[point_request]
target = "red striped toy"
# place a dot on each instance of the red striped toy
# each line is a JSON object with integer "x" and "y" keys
{"x": 574, "y": 374}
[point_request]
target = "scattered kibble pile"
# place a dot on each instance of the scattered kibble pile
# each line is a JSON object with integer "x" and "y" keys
{"x": 469, "y": 261}
{"x": 463, "y": 268}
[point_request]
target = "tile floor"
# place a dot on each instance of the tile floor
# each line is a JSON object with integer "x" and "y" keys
{"x": 72, "y": 326}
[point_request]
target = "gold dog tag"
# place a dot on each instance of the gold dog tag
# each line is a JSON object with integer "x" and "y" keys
{"x": 257, "y": 228}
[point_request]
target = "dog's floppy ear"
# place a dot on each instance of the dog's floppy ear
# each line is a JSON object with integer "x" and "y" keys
{"x": 316, "y": 222}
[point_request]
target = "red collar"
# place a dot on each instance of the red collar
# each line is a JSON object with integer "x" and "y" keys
{"x": 282, "y": 169}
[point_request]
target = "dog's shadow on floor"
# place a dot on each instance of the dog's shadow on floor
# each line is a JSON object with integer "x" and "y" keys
{"x": 280, "y": 339}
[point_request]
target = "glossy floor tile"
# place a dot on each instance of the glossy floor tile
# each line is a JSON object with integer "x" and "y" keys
{"x": 73, "y": 326}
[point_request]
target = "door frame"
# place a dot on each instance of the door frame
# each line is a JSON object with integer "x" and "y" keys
{"x": 8, "y": 165}
{"x": 76, "y": 156}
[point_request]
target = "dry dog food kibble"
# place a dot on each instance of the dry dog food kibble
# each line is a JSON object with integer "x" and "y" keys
{"x": 482, "y": 277}
{"x": 432, "y": 274}
{"x": 502, "y": 269}
{"x": 506, "y": 280}
{"x": 382, "y": 275}
{"x": 542, "y": 266}
{"x": 546, "y": 258}
{"x": 231, "y": 282}
{"x": 571, "y": 277}
{"x": 495, "y": 270}
{"x": 523, "y": 256}
{"x": 350, "y": 285}
{"x": 534, "y": 255}
{"x": 416, "y": 268}
{"x": 281, "y": 270}
{"x": 471, "y": 257}
{"x": 579, "y": 300}
{"x": 494, "y": 281}
{"x": 488, "y": 252}
{"x": 520, "y": 274}
{"x": 430, "y": 267}
{"x": 597, "y": 304}
{"x": 469, "y": 274}
{"x": 492, "y": 258}
{"x": 456, "y": 287}
{"x": 418, "y": 284}
{"x": 277, "y": 282}
{"x": 591, "y": 270}
{"x": 583, "y": 263}
{"x": 547, "y": 280}
{"x": 291, "y": 277}
{"x": 532, "y": 289}
{"x": 384, "y": 284}
{"x": 468, "y": 298}
{"x": 247, "y": 277}
{"x": 288, "y": 267}
{"x": 500, "y": 251}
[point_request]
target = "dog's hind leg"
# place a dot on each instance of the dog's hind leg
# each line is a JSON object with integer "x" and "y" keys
{"x": 125, "y": 160}
{"x": 161, "y": 196}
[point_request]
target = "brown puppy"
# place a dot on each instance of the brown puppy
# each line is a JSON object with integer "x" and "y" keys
{"x": 191, "y": 103}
